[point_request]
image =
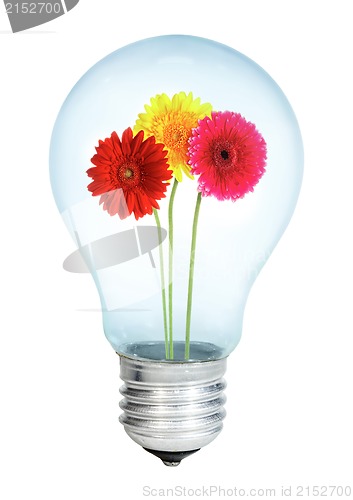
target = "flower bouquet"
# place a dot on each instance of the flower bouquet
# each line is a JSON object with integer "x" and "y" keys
{"x": 175, "y": 138}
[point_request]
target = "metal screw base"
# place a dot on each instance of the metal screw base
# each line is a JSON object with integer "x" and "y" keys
{"x": 172, "y": 409}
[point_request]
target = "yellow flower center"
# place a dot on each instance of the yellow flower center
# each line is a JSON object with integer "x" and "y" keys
{"x": 175, "y": 136}
{"x": 128, "y": 173}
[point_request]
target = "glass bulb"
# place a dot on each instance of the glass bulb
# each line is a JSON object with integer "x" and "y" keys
{"x": 174, "y": 272}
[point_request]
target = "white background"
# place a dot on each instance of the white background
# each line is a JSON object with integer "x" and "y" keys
{"x": 289, "y": 381}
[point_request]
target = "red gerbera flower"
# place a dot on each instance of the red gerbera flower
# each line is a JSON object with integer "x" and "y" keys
{"x": 228, "y": 154}
{"x": 130, "y": 175}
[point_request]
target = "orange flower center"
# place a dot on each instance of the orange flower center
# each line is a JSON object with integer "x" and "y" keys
{"x": 175, "y": 136}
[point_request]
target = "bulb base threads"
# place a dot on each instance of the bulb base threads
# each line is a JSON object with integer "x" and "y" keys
{"x": 172, "y": 408}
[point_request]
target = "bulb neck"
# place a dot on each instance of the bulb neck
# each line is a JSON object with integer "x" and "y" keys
{"x": 172, "y": 409}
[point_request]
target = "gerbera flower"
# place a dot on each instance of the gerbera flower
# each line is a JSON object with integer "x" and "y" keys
{"x": 171, "y": 122}
{"x": 229, "y": 155}
{"x": 130, "y": 174}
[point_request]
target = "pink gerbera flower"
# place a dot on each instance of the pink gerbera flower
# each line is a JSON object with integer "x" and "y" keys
{"x": 229, "y": 155}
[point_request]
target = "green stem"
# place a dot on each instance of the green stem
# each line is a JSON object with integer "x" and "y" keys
{"x": 170, "y": 275}
{"x": 191, "y": 276}
{"x": 164, "y": 300}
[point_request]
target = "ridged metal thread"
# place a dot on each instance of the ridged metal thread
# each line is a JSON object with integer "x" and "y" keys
{"x": 172, "y": 406}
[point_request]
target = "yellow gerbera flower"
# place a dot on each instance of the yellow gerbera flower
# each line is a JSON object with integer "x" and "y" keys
{"x": 171, "y": 122}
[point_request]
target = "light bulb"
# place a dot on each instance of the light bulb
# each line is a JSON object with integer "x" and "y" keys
{"x": 174, "y": 255}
